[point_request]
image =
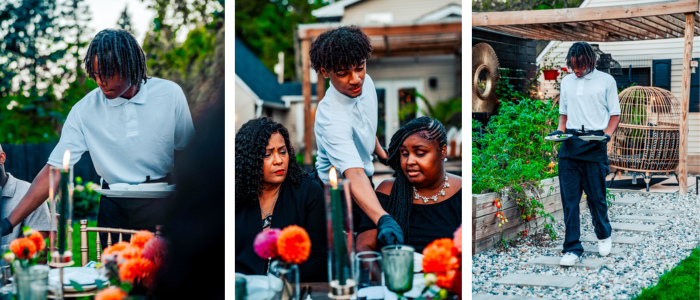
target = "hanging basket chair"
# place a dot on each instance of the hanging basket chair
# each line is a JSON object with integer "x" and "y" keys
{"x": 647, "y": 138}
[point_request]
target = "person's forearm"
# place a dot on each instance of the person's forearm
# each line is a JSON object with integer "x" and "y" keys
{"x": 362, "y": 192}
{"x": 562, "y": 123}
{"x": 378, "y": 149}
{"x": 612, "y": 125}
{"x": 36, "y": 195}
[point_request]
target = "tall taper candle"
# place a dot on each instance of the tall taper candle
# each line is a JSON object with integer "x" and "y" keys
{"x": 63, "y": 203}
{"x": 339, "y": 245}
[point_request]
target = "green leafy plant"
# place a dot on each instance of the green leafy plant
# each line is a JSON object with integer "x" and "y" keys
{"x": 609, "y": 197}
{"x": 86, "y": 200}
{"x": 448, "y": 112}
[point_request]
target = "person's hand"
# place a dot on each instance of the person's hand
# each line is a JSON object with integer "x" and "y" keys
{"x": 383, "y": 160}
{"x": 6, "y": 226}
{"x": 555, "y": 133}
{"x": 388, "y": 232}
{"x": 607, "y": 138}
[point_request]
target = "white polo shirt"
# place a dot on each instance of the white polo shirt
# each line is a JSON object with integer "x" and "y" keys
{"x": 345, "y": 130}
{"x": 128, "y": 139}
{"x": 589, "y": 101}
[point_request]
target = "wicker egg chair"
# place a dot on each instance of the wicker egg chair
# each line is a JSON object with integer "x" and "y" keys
{"x": 647, "y": 138}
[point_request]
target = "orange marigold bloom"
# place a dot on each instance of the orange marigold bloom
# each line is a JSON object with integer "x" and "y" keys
{"x": 137, "y": 268}
{"x": 294, "y": 245}
{"x": 140, "y": 239}
{"x": 116, "y": 248}
{"x": 445, "y": 280}
{"x": 19, "y": 246}
{"x": 130, "y": 252}
{"x": 38, "y": 240}
{"x": 111, "y": 293}
{"x": 439, "y": 256}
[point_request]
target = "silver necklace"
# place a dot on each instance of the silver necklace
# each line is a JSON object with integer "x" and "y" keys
{"x": 434, "y": 198}
{"x": 267, "y": 220}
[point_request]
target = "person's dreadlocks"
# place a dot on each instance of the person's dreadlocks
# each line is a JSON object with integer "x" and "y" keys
{"x": 340, "y": 48}
{"x": 581, "y": 54}
{"x": 116, "y": 51}
{"x": 401, "y": 197}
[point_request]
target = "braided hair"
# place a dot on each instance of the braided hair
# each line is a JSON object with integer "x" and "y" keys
{"x": 401, "y": 197}
{"x": 581, "y": 54}
{"x": 340, "y": 48}
{"x": 251, "y": 141}
{"x": 117, "y": 52}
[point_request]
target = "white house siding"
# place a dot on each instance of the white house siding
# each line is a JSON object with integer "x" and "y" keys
{"x": 403, "y": 10}
{"x": 442, "y": 67}
{"x": 245, "y": 106}
{"x": 653, "y": 50}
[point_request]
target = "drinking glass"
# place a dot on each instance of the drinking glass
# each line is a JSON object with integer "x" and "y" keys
{"x": 284, "y": 280}
{"x": 368, "y": 266}
{"x": 397, "y": 264}
{"x": 39, "y": 290}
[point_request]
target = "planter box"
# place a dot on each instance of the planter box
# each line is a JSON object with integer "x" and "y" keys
{"x": 485, "y": 230}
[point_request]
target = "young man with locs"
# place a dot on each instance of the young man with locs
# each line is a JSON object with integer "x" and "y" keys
{"x": 346, "y": 123}
{"x": 589, "y": 106}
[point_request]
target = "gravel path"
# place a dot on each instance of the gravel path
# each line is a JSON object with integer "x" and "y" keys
{"x": 621, "y": 277}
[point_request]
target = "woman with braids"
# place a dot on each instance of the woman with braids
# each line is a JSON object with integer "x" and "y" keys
{"x": 425, "y": 200}
{"x": 346, "y": 123}
{"x": 272, "y": 191}
{"x": 131, "y": 125}
{"x": 588, "y": 106}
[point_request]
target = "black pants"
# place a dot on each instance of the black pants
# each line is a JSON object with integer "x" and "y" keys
{"x": 576, "y": 176}
{"x": 130, "y": 213}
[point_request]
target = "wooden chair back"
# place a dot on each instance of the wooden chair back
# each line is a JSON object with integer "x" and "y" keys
{"x": 84, "y": 245}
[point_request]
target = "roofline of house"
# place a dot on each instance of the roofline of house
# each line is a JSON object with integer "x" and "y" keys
{"x": 452, "y": 8}
{"x": 336, "y": 9}
{"x": 258, "y": 101}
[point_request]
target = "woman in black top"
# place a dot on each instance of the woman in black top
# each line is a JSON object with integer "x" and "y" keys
{"x": 272, "y": 191}
{"x": 424, "y": 199}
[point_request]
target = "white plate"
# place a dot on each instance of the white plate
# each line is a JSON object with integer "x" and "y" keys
{"x": 558, "y": 139}
{"x": 592, "y": 137}
{"x": 135, "y": 194}
{"x": 415, "y": 292}
{"x": 83, "y": 276}
{"x": 258, "y": 286}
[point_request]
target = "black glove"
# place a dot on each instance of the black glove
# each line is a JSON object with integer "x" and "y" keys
{"x": 388, "y": 232}
{"x": 6, "y": 226}
{"x": 383, "y": 161}
{"x": 555, "y": 133}
{"x": 607, "y": 139}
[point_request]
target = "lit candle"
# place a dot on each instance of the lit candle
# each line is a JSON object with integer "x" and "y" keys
{"x": 63, "y": 203}
{"x": 338, "y": 236}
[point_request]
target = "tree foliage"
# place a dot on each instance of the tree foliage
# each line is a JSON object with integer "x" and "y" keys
{"x": 516, "y": 5}
{"x": 267, "y": 28}
{"x": 124, "y": 21}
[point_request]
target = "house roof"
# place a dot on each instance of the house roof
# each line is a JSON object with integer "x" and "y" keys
{"x": 258, "y": 77}
{"x": 332, "y": 10}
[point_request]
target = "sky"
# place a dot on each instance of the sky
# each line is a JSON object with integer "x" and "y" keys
{"x": 106, "y": 13}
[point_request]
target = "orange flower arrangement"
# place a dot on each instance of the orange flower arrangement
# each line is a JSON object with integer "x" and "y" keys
{"x": 294, "y": 245}
{"x": 130, "y": 252}
{"x": 22, "y": 245}
{"x": 38, "y": 240}
{"x": 116, "y": 248}
{"x": 141, "y": 238}
{"x": 446, "y": 279}
{"x": 137, "y": 268}
{"x": 439, "y": 257}
{"x": 112, "y": 293}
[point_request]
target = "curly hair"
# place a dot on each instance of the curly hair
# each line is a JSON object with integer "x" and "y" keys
{"x": 581, "y": 54}
{"x": 117, "y": 52}
{"x": 401, "y": 197}
{"x": 340, "y": 48}
{"x": 251, "y": 141}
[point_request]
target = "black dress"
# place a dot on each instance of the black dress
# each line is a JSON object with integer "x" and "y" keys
{"x": 427, "y": 222}
{"x": 302, "y": 206}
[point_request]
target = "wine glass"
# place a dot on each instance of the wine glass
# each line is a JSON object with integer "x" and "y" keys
{"x": 397, "y": 263}
{"x": 369, "y": 270}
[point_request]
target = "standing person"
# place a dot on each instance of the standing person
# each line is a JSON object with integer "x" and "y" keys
{"x": 346, "y": 123}
{"x": 588, "y": 106}
{"x": 132, "y": 125}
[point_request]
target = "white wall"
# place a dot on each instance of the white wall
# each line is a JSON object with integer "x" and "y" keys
{"x": 245, "y": 106}
{"x": 403, "y": 11}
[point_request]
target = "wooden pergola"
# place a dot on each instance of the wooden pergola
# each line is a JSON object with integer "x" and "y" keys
{"x": 661, "y": 20}
{"x": 395, "y": 40}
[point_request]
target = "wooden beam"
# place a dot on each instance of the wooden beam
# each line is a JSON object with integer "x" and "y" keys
{"x": 306, "y": 91}
{"x": 580, "y": 28}
{"x": 685, "y": 103}
{"x": 678, "y": 24}
{"x": 414, "y": 52}
{"x": 681, "y": 18}
{"x": 639, "y": 32}
{"x": 658, "y": 33}
{"x": 674, "y": 31}
{"x": 391, "y": 30}
{"x": 583, "y": 14}
{"x": 540, "y": 34}
{"x": 611, "y": 29}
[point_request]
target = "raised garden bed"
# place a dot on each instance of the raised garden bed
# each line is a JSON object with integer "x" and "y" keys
{"x": 485, "y": 230}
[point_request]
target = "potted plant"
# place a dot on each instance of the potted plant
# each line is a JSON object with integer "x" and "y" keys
{"x": 550, "y": 68}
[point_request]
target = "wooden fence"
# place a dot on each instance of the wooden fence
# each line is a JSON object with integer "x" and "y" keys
{"x": 24, "y": 162}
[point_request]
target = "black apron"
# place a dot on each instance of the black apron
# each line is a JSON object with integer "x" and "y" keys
{"x": 590, "y": 151}
{"x": 130, "y": 213}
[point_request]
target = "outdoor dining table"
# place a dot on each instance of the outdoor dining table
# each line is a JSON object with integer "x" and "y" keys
{"x": 319, "y": 290}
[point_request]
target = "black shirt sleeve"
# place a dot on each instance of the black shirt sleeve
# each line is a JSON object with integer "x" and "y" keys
{"x": 366, "y": 223}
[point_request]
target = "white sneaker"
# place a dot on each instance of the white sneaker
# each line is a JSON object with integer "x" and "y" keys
{"x": 604, "y": 246}
{"x": 569, "y": 259}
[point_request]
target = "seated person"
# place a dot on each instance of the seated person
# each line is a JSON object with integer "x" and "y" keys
{"x": 424, "y": 199}
{"x": 272, "y": 191}
{"x": 13, "y": 190}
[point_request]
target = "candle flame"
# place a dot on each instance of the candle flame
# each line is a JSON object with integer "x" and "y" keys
{"x": 66, "y": 159}
{"x": 333, "y": 176}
